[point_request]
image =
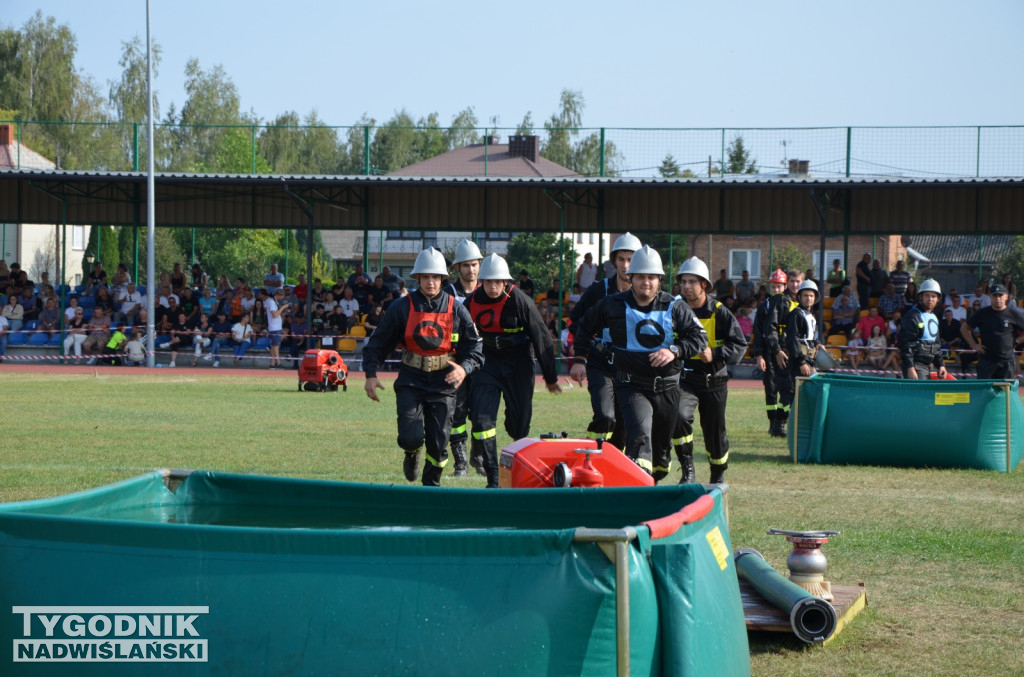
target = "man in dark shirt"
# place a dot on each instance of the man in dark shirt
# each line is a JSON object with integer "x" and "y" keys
{"x": 864, "y": 280}
{"x": 526, "y": 283}
{"x": 998, "y": 325}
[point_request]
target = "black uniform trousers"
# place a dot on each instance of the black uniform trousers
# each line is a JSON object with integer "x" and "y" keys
{"x": 461, "y": 412}
{"x": 649, "y": 419}
{"x": 424, "y": 418}
{"x": 607, "y": 422}
{"x": 990, "y": 369}
{"x": 771, "y": 390}
{"x": 785, "y": 385}
{"x": 513, "y": 380}
{"x": 710, "y": 402}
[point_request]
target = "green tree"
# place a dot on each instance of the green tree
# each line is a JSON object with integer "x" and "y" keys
{"x": 670, "y": 169}
{"x": 738, "y": 159}
{"x": 1013, "y": 263}
{"x": 544, "y": 255}
{"x": 211, "y": 107}
{"x": 393, "y": 144}
{"x": 353, "y": 158}
{"x": 563, "y": 127}
{"x": 790, "y": 258}
{"x": 280, "y": 141}
{"x": 128, "y": 100}
{"x": 525, "y": 128}
{"x": 463, "y": 130}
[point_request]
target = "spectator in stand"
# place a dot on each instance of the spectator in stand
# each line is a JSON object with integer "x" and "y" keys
{"x": 870, "y": 320}
{"x": 910, "y": 296}
{"x": 241, "y": 336}
{"x": 135, "y": 349}
{"x": 745, "y": 288}
{"x": 352, "y": 279}
{"x": 99, "y": 334}
{"x": 878, "y": 354}
{"x": 350, "y": 308}
{"x": 199, "y": 277}
{"x": 223, "y": 285}
{"x": 115, "y": 346}
{"x": 391, "y": 280}
{"x": 276, "y": 308}
{"x": 76, "y": 334}
{"x": 5, "y": 276}
{"x": 13, "y": 312}
{"x": 248, "y": 300}
{"x": 221, "y": 336}
{"x": 318, "y": 323}
{"x": 402, "y": 290}
{"x": 576, "y": 295}
{"x": 202, "y": 337}
{"x": 301, "y": 292}
{"x": 105, "y": 301}
{"x": 587, "y": 272}
{"x": 879, "y": 278}
{"x": 980, "y": 295}
{"x": 746, "y": 324}
{"x": 258, "y": 315}
{"x": 130, "y": 302}
{"x": 845, "y": 312}
{"x": 189, "y": 305}
{"x": 29, "y": 304}
{"x": 4, "y": 330}
{"x": 954, "y": 303}
{"x": 336, "y": 323}
{"x": 273, "y": 281}
{"x": 295, "y": 342}
{"x": 240, "y": 287}
{"x": 974, "y": 307}
{"x": 863, "y": 274}
{"x": 373, "y": 319}
{"x": 292, "y": 300}
{"x": 49, "y": 319}
{"x": 525, "y": 283}
{"x": 165, "y": 297}
{"x": 69, "y": 312}
{"x": 318, "y": 294}
{"x": 900, "y": 278}
{"x": 949, "y": 331}
{"x": 836, "y": 278}
{"x": 330, "y": 303}
{"x": 361, "y": 291}
{"x": 181, "y": 335}
{"x": 855, "y": 348}
{"x": 378, "y": 291}
{"x": 890, "y": 302}
{"x": 178, "y": 279}
{"x": 170, "y": 311}
{"x": 207, "y": 303}
{"x": 1011, "y": 289}
{"x": 97, "y": 278}
{"x": 892, "y": 329}
{"x": 723, "y": 286}
{"x": 554, "y": 293}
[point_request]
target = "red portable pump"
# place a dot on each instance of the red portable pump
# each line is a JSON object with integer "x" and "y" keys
{"x": 322, "y": 370}
{"x": 564, "y": 462}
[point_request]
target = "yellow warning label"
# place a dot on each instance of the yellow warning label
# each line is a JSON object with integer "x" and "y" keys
{"x": 946, "y": 399}
{"x": 717, "y": 544}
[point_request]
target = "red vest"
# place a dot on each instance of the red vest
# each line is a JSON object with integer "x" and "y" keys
{"x": 487, "y": 316}
{"x": 429, "y": 333}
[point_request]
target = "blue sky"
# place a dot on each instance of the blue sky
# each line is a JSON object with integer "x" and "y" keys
{"x": 642, "y": 64}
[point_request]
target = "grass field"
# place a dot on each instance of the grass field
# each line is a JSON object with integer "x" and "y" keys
{"x": 940, "y": 551}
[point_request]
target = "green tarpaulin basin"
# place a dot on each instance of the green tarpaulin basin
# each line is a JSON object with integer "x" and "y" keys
{"x": 865, "y": 420}
{"x": 206, "y": 573}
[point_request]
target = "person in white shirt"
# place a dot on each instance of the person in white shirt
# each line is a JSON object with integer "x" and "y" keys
{"x": 275, "y": 308}
{"x": 350, "y": 307}
{"x": 131, "y": 300}
{"x": 587, "y": 272}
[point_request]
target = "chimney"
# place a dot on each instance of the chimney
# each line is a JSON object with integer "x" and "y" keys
{"x": 799, "y": 167}
{"x": 6, "y": 135}
{"x": 493, "y": 140}
{"x": 524, "y": 146}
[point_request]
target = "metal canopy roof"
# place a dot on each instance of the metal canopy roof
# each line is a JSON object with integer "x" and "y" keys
{"x": 736, "y": 205}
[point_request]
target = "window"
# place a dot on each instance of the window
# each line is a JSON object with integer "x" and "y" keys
{"x": 579, "y": 238}
{"x": 745, "y": 259}
{"x": 830, "y": 256}
{"x": 78, "y": 237}
{"x": 412, "y": 234}
{"x": 591, "y": 238}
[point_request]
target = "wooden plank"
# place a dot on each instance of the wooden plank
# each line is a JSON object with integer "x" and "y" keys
{"x": 762, "y": 615}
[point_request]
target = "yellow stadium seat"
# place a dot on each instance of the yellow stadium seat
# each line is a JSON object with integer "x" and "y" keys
{"x": 346, "y": 345}
{"x": 358, "y": 331}
{"x": 828, "y": 301}
{"x": 873, "y": 302}
{"x": 837, "y": 340}
{"x": 864, "y": 313}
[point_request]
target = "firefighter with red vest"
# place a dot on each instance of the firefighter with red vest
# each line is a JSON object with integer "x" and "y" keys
{"x": 606, "y": 423}
{"x": 509, "y": 325}
{"x": 781, "y": 306}
{"x": 467, "y": 268}
{"x": 703, "y": 385}
{"x": 428, "y": 327}
{"x": 650, "y": 334}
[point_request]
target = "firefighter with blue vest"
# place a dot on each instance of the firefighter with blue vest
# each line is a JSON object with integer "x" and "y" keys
{"x": 467, "y": 269}
{"x": 920, "y": 349}
{"x": 509, "y": 325}
{"x": 650, "y": 333}
{"x": 759, "y": 351}
{"x": 607, "y": 422}
{"x": 440, "y": 346}
{"x": 704, "y": 383}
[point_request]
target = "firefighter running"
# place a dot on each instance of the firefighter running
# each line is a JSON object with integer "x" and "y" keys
{"x": 509, "y": 324}
{"x": 607, "y": 421}
{"x": 705, "y": 378}
{"x": 650, "y": 333}
{"x": 427, "y": 327}
{"x": 467, "y": 267}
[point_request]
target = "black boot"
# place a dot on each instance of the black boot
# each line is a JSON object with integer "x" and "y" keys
{"x": 476, "y": 459}
{"x": 411, "y": 465}
{"x": 717, "y": 474}
{"x": 689, "y": 473}
{"x": 459, "y": 454}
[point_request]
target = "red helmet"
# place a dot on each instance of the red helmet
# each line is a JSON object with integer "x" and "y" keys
{"x": 778, "y": 276}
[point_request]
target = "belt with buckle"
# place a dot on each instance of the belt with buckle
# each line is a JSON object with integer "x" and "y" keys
{"x": 706, "y": 380}
{"x": 658, "y": 384}
{"x": 426, "y": 363}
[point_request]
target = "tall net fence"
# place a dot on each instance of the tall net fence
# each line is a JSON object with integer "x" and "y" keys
{"x": 827, "y": 152}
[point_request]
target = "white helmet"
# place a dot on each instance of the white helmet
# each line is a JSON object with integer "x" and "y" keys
{"x": 930, "y": 285}
{"x": 429, "y": 262}
{"x": 808, "y": 284}
{"x": 467, "y": 251}
{"x": 646, "y": 261}
{"x": 694, "y": 266}
{"x": 494, "y": 268}
{"x": 626, "y": 242}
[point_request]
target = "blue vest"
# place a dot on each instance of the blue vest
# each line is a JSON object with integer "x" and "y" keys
{"x": 648, "y": 332}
